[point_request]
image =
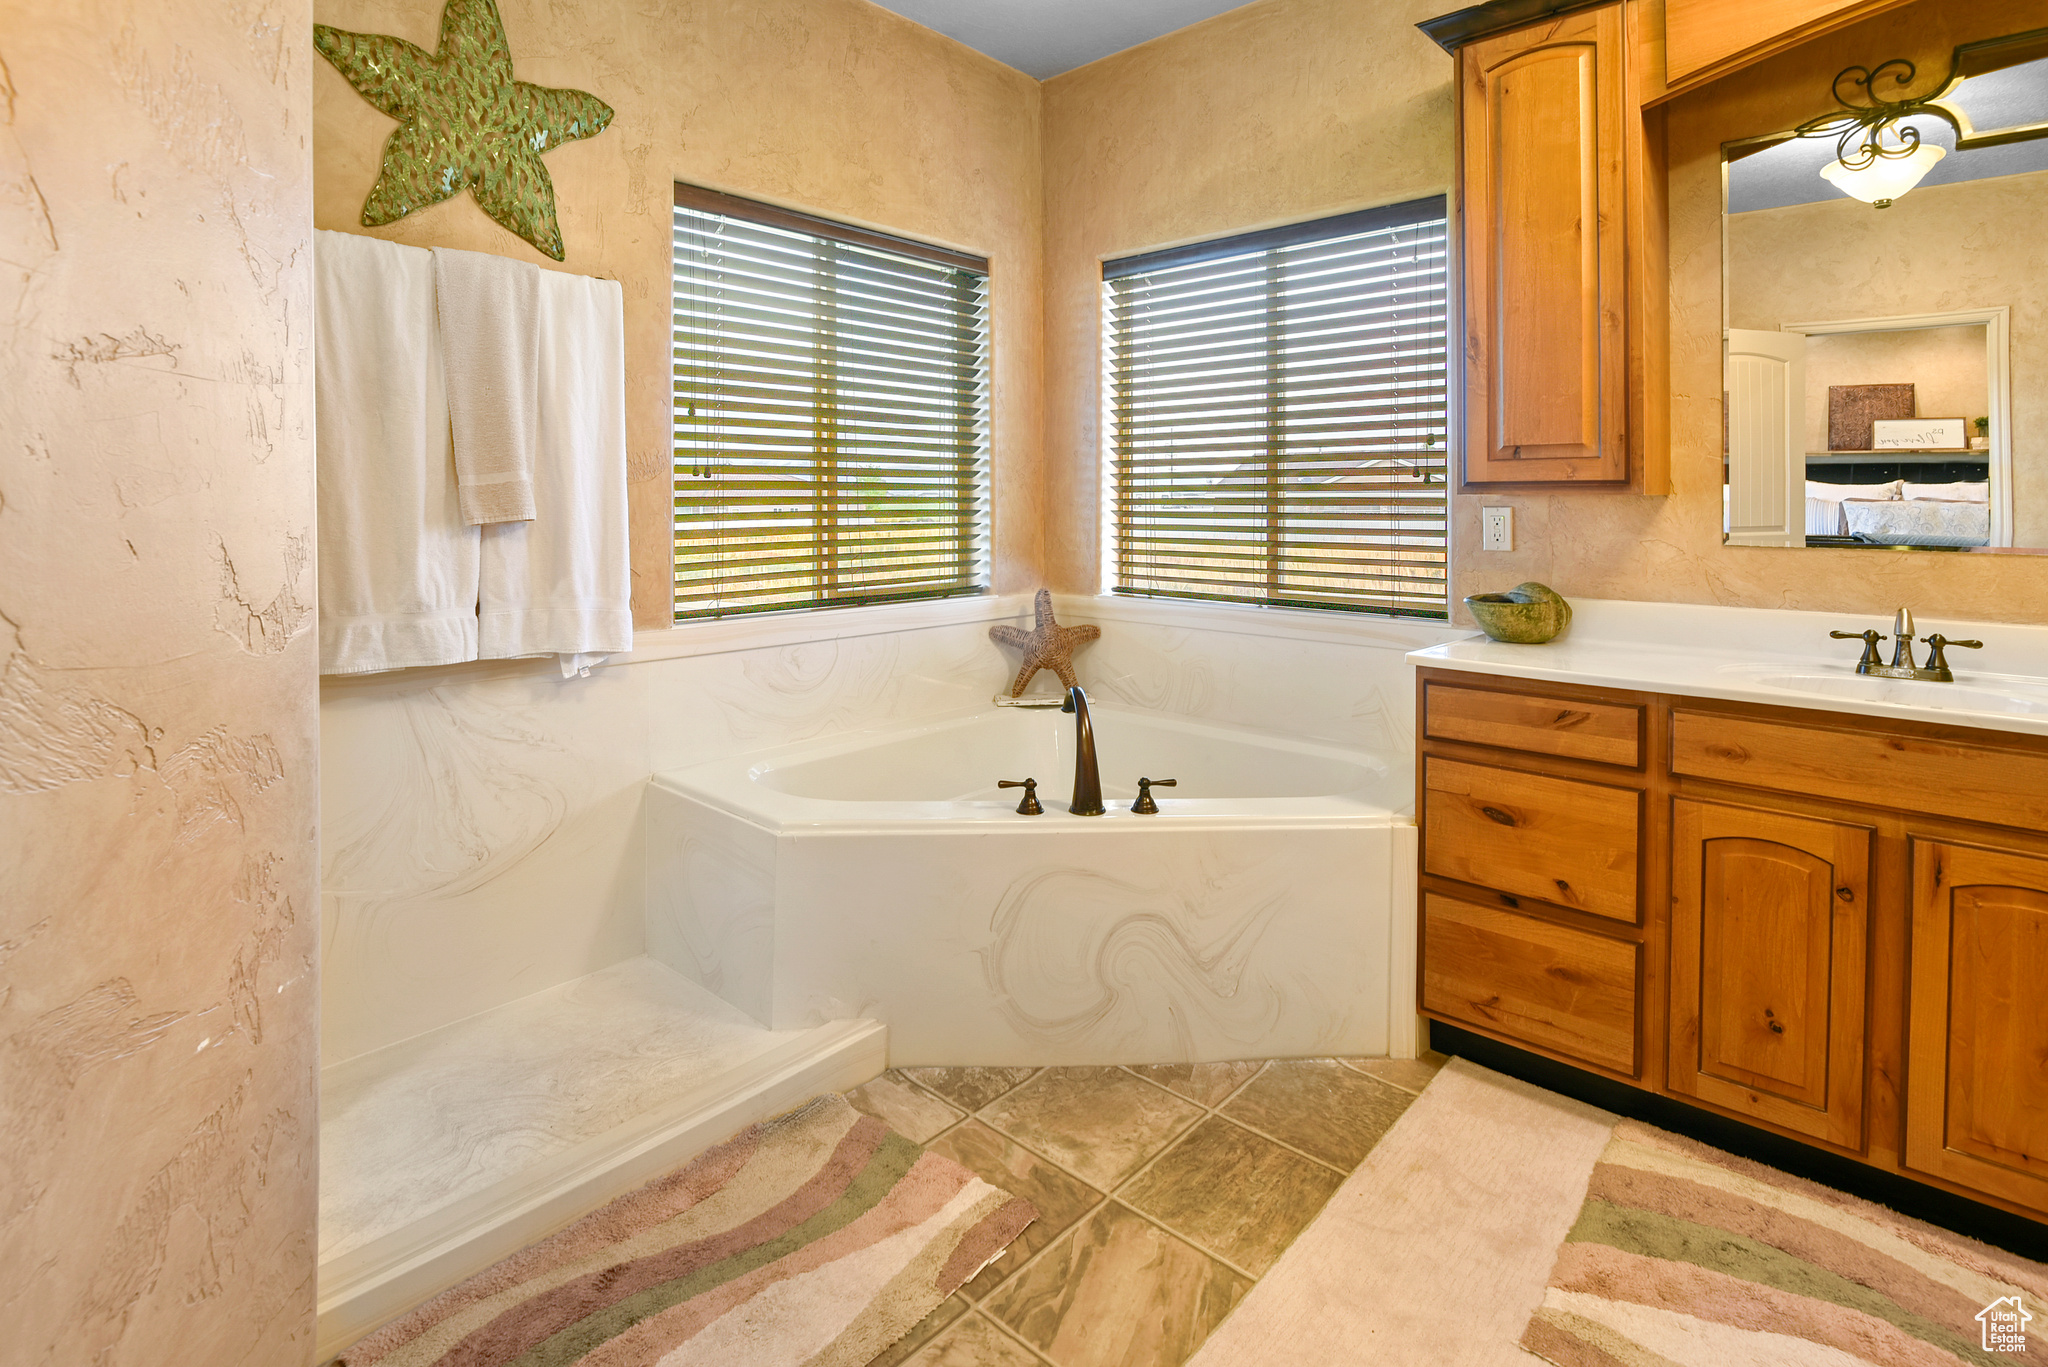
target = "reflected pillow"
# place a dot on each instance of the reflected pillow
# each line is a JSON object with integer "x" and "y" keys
{"x": 1838, "y": 492}
{"x": 1962, "y": 491}
{"x": 1919, "y": 522}
{"x": 1824, "y": 518}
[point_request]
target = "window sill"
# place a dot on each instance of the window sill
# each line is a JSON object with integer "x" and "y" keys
{"x": 1246, "y": 619}
{"x": 722, "y": 635}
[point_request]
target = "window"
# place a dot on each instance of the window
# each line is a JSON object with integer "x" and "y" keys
{"x": 831, "y": 413}
{"x": 1277, "y": 408}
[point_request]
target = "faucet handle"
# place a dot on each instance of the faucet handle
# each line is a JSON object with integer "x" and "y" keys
{"x": 1937, "y": 661}
{"x": 1869, "y": 639}
{"x": 1030, "y": 805}
{"x": 1145, "y": 806}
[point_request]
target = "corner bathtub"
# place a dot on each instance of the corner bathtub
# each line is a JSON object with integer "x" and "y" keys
{"x": 883, "y": 874}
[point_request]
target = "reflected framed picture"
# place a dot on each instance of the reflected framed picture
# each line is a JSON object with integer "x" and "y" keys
{"x": 1852, "y": 408}
{"x": 1919, "y": 434}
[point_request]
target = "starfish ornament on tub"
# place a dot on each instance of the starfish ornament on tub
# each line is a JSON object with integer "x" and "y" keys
{"x": 1048, "y": 646}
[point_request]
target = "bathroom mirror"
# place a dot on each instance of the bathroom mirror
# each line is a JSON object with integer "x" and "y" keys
{"x": 1886, "y": 324}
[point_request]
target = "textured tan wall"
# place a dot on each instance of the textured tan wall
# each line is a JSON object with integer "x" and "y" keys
{"x": 157, "y": 686}
{"x": 1945, "y": 366}
{"x": 1942, "y": 247}
{"x": 1669, "y": 549}
{"x": 1273, "y": 113}
{"x": 836, "y": 107}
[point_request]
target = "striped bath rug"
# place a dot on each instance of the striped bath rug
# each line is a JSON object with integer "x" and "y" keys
{"x": 818, "y": 1238}
{"x": 1685, "y": 1255}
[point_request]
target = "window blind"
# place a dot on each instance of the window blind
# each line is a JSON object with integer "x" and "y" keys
{"x": 831, "y": 413}
{"x": 1279, "y": 415}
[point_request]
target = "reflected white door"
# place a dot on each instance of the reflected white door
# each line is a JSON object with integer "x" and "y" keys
{"x": 1766, "y": 438}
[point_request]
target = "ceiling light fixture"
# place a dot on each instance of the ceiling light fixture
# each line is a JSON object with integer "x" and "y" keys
{"x": 1878, "y": 157}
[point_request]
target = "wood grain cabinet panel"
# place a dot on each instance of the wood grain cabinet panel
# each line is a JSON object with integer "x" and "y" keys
{"x": 1558, "y": 840}
{"x": 1563, "y": 990}
{"x": 1977, "y": 1023}
{"x": 1770, "y": 933}
{"x": 1608, "y": 733}
{"x": 1547, "y": 370}
{"x": 1702, "y": 37}
{"x": 1958, "y": 778}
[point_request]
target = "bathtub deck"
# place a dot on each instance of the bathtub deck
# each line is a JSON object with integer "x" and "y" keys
{"x": 444, "y": 1152}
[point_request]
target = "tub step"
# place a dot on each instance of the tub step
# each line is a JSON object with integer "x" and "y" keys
{"x": 446, "y": 1152}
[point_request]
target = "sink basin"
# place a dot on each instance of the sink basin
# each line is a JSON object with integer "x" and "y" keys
{"x": 2024, "y": 697}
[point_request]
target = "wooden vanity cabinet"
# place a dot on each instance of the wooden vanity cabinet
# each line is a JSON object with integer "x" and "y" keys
{"x": 1831, "y": 927}
{"x": 1770, "y": 932}
{"x": 1977, "y": 1085}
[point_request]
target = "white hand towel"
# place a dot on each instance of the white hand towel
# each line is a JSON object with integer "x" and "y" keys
{"x": 562, "y": 583}
{"x": 489, "y": 339}
{"x": 398, "y": 567}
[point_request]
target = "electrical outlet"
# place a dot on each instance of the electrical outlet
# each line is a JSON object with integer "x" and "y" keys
{"x": 1496, "y": 529}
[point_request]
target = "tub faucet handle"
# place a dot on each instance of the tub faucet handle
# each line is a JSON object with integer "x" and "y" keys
{"x": 1030, "y": 805}
{"x": 1145, "y": 806}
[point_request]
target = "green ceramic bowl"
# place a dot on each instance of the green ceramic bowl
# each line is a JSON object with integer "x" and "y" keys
{"x": 1527, "y": 614}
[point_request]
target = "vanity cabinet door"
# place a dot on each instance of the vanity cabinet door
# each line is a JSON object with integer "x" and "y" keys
{"x": 1977, "y": 1022}
{"x": 1770, "y": 931}
{"x": 1541, "y": 112}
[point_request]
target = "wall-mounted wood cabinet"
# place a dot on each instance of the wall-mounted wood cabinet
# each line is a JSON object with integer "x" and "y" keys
{"x": 1560, "y": 228}
{"x": 1831, "y": 927}
{"x": 1563, "y": 241}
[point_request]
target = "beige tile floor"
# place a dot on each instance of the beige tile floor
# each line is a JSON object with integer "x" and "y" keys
{"x": 1163, "y": 1193}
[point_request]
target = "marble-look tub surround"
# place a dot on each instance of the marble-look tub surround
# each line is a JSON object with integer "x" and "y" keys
{"x": 481, "y": 831}
{"x": 157, "y": 747}
{"x": 834, "y": 107}
{"x": 481, "y": 825}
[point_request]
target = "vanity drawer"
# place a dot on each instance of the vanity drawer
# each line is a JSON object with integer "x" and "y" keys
{"x": 1939, "y": 777}
{"x": 1568, "y": 991}
{"x": 1559, "y": 840}
{"x": 1609, "y": 733}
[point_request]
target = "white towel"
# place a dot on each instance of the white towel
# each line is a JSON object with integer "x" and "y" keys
{"x": 398, "y": 567}
{"x": 562, "y": 583}
{"x": 490, "y": 347}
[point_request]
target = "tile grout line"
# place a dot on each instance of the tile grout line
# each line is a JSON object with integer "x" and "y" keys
{"x": 1172, "y": 1143}
{"x": 1192, "y": 1242}
{"x": 1007, "y": 1332}
{"x": 1397, "y": 1086}
{"x": 1299, "y": 1153}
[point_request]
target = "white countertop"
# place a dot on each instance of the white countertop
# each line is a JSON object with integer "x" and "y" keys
{"x": 1779, "y": 657}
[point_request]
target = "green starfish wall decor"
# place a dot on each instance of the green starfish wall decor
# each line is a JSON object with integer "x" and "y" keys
{"x": 463, "y": 122}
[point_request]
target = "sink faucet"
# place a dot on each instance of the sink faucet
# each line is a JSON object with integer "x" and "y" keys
{"x": 1087, "y": 778}
{"x": 1902, "y": 667}
{"x": 1902, "y": 639}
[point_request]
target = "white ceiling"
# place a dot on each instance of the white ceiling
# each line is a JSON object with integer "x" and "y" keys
{"x": 1042, "y": 38}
